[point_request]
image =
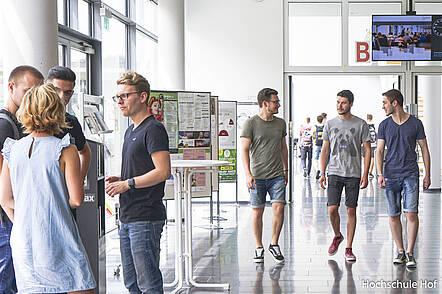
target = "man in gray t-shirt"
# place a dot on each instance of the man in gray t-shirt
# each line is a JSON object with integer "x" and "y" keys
{"x": 265, "y": 160}
{"x": 342, "y": 139}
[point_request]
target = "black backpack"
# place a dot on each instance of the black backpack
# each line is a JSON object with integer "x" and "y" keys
{"x": 372, "y": 130}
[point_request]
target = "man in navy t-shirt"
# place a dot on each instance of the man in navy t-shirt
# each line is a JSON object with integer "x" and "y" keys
{"x": 145, "y": 168}
{"x": 399, "y": 132}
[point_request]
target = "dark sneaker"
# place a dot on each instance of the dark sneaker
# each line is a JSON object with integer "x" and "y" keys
{"x": 276, "y": 253}
{"x": 370, "y": 177}
{"x": 305, "y": 173}
{"x": 400, "y": 258}
{"x": 411, "y": 262}
{"x": 349, "y": 256}
{"x": 259, "y": 255}
{"x": 318, "y": 174}
{"x": 335, "y": 245}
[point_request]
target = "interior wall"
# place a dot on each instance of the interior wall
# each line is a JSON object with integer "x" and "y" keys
{"x": 234, "y": 48}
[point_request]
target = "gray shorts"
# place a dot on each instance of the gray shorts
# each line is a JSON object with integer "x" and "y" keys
{"x": 334, "y": 190}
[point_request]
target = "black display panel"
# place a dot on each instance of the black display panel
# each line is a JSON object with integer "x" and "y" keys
{"x": 406, "y": 37}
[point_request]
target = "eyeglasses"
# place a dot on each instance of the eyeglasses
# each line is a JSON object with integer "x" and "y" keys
{"x": 123, "y": 96}
{"x": 275, "y": 101}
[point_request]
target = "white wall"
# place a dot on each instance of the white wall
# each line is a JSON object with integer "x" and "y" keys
{"x": 234, "y": 48}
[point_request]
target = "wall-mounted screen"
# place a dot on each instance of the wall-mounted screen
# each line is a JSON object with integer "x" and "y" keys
{"x": 406, "y": 37}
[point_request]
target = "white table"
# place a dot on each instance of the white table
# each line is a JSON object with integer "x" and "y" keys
{"x": 182, "y": 171}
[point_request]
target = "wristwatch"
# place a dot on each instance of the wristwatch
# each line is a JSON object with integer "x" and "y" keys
{"x": 131, "y": 183}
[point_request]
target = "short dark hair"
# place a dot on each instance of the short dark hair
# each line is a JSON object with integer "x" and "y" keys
{"x": 394, "y": 94}
{"x": 347, "y": 94}
{"x": 324, "y": 115}
{"x": 62, "y": 73}
{"x": 21, "y": 70}
{"x": 319, "y": 118}
{"x": 265, "y": 95}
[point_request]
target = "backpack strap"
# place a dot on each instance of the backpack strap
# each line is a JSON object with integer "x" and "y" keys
{"x": 12, "y": 123}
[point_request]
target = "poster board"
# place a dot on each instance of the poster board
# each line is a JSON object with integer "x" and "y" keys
{"x": 227, "y": 141}
{"x": 186, "y": 117}
{"x": 214, "y": 138}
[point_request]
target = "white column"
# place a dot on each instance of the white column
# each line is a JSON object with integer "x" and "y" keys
{"x": 430, "y": 91}
{"x": 171, "y": 45}
{"x": 29, "y": 35}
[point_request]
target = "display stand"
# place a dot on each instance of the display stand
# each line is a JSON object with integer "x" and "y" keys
{"x": 182, "y": 171}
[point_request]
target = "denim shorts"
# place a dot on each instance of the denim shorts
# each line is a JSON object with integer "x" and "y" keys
{"x": 275, "y": 187}
{"x": 398, "y": 188}
{"x": 334, "y": 190}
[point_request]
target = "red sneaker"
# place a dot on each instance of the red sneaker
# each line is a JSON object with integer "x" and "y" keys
{"x": 335, "y": 245}
{"x": 349, "y": 256}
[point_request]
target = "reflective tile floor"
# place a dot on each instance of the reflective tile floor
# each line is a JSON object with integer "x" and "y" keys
{"x": 226, "y": 255}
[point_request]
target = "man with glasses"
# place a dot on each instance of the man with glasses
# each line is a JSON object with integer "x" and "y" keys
{"x": 144, "y": 170}
{"x": 265, "y": 160}
{"x": 21, "y": 79}
{"x": 63, "y": 78}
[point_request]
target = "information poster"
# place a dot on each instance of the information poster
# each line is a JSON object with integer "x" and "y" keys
{"x": 198, "y": 179}
{"x": 227, "y": 174}
{"x": 164, "y": 106}
{"x": 227, "y": 128}
{"x": 194, "y": 120}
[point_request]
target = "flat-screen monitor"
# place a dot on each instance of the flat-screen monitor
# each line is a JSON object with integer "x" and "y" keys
{"x": 406, "y": 37}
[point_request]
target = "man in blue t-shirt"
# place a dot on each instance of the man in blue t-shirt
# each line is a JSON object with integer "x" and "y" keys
{"x": 399, "y": 132}
{"x": 145, "y": 168}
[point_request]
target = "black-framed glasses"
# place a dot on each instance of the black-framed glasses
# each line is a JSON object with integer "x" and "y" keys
{"x": 123, "y": 96}
{"x": 275, "y": 101}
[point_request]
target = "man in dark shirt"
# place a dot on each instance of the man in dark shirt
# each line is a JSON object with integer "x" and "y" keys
{"x": 63, "y": 78}
{"x": 20, "y": 80}
{"x": 399, "y": 132}
{"x": 145, "y": 168}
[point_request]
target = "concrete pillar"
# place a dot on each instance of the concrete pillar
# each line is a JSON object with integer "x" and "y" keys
{"x": 171, "y": 45}
{"x": 430, "y": 91}
{"x": 29, "y": 35}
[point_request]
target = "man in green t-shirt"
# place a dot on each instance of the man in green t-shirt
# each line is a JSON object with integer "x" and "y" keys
{"x": 265, "y": 160}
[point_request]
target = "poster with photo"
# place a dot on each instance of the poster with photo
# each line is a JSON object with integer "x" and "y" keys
{"x": 164, "y": 106}
{"x": 198, "y": 179}
{"x": 194, "y": 120}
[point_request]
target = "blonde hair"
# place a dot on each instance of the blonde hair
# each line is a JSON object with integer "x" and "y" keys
{"x": 135, "y": 79}
{"x": 42, "y": 110}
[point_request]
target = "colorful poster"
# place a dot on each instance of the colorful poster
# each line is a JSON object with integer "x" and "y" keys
{"x": 227, "y": 174}
{"x": 227, "y": 140}
{"x": 164, "y": 106}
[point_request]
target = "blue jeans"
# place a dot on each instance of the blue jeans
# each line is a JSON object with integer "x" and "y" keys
{"x": 406, "y": 187}
{"x": 318, "y": 150}
{"x": 306, "y": 154}
{"x": 140, "y": 256}
{"x": 7, "y": 275}
{"x": 275, "y": 187}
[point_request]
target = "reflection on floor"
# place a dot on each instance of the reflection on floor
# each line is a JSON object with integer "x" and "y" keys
{"x": 226, "y": 255}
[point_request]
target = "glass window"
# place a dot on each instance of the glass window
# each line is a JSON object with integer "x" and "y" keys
{"x": 315, "y": 35}
{"x": 146, "y": 55}
{"x": 146, "y": 15}
{"x": 359, "y": 28}
{"x": 119, "y": 5}
{"x": 61, "y": 55}
{"x": 114, "y": 65}
{"x": 60, "y": 12}
{"x": 83, "y": 17}
{"x": 428, "y": 8}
